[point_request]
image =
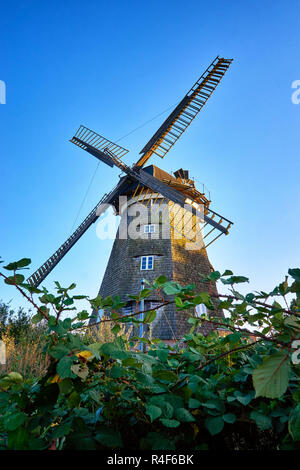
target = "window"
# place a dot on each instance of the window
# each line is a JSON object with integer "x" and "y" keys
{"x": 149, "y": 228}
{"x": 147, "y": 263}
{"x": 159, "y": 310}
{"x": 200, "y": 310}
{"x": 127, "y": 310}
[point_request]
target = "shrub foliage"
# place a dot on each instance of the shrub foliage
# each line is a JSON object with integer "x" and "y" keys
{"x": 237, "y": 388}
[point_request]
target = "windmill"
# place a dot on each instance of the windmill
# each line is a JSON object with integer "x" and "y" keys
{"x": 172, "y": 197}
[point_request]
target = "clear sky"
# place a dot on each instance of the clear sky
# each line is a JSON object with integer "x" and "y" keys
{"x": 114, "y": 65}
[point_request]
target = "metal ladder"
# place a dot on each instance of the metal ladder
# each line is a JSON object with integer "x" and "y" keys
{"x": 185, "y": 111}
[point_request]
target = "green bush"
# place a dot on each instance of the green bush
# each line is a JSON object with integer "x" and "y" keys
{"x": 16, "y": 323}
{"x": 23, "y": 342}
{"x": 237, "y": 388}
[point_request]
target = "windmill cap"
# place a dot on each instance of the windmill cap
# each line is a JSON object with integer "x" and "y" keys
{"x": 183, "y": 174}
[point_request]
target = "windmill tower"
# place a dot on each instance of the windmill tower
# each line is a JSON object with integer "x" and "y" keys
{"x": 157, "y": 237}
{"x": 166, "y": 223}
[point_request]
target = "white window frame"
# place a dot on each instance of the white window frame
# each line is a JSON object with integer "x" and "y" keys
{"x": 147, "y": 258}
{"x": 200, "y": 309}
{"x": 149, "y": 228}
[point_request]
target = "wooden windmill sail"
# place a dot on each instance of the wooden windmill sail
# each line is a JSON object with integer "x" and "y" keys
{"x": 134, "y": 259}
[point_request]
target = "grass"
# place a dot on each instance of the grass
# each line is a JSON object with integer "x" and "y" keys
{"x": 25, "y": 355}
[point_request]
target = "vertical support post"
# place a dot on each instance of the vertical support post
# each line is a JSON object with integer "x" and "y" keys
{"x": 141, "y": 330}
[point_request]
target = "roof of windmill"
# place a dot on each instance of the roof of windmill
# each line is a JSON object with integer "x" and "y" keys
{"x": 158, "y": 173}
{"x": 187, "y": 187}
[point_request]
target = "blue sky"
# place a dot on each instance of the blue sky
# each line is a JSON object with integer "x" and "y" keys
{"x": 114, "y": 65}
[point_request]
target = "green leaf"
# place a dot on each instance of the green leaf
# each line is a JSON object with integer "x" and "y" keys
{"x": 67, "y": 323}
{"x": 153, "y": 411}
{"x": 170, "y": 288}
{"x": 178, "y": 302}
{"x": 189, "y": 288}
{"x": 167, "y": 409}
{"x": 74, "y": 400}
{"x": 65, "y": 386}
{"x": 203, "y": 298}
{"x": 17, "y": 439}
{"x": 215, "y": 275}
{"x": 184, "y": 415}
{"x": 37, "y": 318}
{"x": 270, "y": 379}
{"x": 95, "y": 395}
{"x": 63, "y": 367}
{"x": 134, "y": 297}
{"x": 263, "y": 422}
{"x": 215, "y": 404}
{"x": 16, "y": 279}
{"x": 235, "y": 280}
{"x": 116, "y": 371}
{"x": 23, "y": 262}
{"x": 18, "y": 264}
{"x": 130, "y": 361}
{"x": 116, "y": 329}
{"x": 165, "y": 375}
{"x": 145, "y": 293}
{"x": 170, "y": 423}
{"x": 97, "y": 302}
{"x": 295, "y": 287}
{"x": 162, "y": 354}
{"x": 112, "y": 350}
{"x": 15, "y": 377}
{"x": 295, "y": 273}
{"x": 243, "y": 399}
{"x": 107, "y": 302}
{"x": 61, "y": 430}
{"x": 31, "y": 288}
{"x": 234, "y": 337}
{"x": 144, "y": 379}
{"x": 59, "y": 351}
{"x": 249, "y": 297}
{"x": 47, "y": 298}
{"x": 293, "y": 322}
{"x": 11, "y": 266}
{"x": 193, "y": 403}
{"x": 227, "y": 273}
{"x": 229, "y": 418}
{"x": 83, "y": 315}
{"x": 160, "y": 280}
{"x": 150, "y": 316}
{"x": 294, "y": 423}
{"x": 283, "y": 287}
{"x": 214, "y": 425}
{"x": 15, "y": 420}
